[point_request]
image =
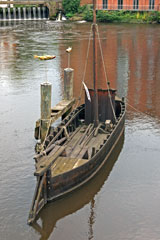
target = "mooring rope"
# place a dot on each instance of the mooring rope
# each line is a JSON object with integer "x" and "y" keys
{"x": 147, "y": 114}
{"x": 133, "y": 107}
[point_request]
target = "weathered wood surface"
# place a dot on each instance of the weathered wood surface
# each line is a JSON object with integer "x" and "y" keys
{"x": 37, "y": 202}
{"x": 74, "y": 152}
{"x": 77, "y": 159}
{"x": 65, "y": 164}
{"x": 60, "y": 109}
{"x": 62, "y": 128}
{"x": 46, "y": 162}
{"x": 82, "y": 142}
{"x": 56, "y": 112}
{"x": 68, "y": 82}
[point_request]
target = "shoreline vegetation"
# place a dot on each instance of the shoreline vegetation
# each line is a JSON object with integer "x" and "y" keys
{"x": 74, "y": 12}
{"x": 119, "y": 16}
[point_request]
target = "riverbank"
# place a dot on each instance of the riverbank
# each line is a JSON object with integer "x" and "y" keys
{"x": 117, "y": 16}
{"x": 78, "y": 13}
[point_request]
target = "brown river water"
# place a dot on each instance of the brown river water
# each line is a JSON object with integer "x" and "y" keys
{"x": 123, "y": 201}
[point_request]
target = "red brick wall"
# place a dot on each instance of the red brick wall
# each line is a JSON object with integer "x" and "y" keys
{"x": 99, "y": 4}
{"x": 83, "y": 2}
{"x": 157, "y": 5}
{"x": 127, "y": 4}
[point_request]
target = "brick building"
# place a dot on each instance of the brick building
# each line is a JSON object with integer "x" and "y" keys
{"x": 131, "y": 5}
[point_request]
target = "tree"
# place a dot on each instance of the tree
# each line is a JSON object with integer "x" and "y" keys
{"x": 70, "y": 6}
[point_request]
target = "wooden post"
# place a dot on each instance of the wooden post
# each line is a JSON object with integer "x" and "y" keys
{"x": 68, "y": 83}
{"x": 45, "y": 108}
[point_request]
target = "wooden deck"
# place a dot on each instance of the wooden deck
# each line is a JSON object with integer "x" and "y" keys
{"x": 78, "y": 150}
{"x": 76, "y": 153}
{"x": 65, "y": 164}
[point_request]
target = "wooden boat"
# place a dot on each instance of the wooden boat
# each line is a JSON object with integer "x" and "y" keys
{"x": 47, "y": 220}
{"x": 79, "y": 147}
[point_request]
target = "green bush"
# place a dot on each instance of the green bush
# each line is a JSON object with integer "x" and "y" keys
{"x": 128, "y": 16}
{"x": 82, "y": 9}
{"x": 70, "y": 6}
{"x": 69, "y": 15}
{"x": 107, "y": 16}
{"x": 154, "y": 17}
{"x": 88, "y": 15}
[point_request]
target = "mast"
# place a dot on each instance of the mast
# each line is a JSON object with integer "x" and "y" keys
{"x": 96, "y": 120}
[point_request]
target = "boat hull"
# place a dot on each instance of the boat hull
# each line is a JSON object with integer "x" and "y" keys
{"x": 64, "y": 183}
{"x": 52, "y": 184}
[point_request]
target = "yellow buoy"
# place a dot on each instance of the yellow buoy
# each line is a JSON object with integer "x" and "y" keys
{"x": 45, "y": 57}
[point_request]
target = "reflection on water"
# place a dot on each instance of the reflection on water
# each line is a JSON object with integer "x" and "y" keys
{"x": 131, "y": 58}
{"x": 126, "y": 205}
{"x": 59, "y": 209}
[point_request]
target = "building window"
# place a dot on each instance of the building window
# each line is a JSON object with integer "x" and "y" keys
{"x": 105, "y": 4}
{"x": 120, "y": 4}
{"x": 151, "y": 4}
{"x": 135, "y": 4}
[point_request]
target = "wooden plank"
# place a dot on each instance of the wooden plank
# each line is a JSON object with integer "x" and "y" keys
{"x": 37, "y": 204}
{"x": 77, "y": 151}
{"x": 57, "y": 163}
{"x": 60, "y": 109}
{"x": 45, "y": 164}
{"x": 65, "y": 164}
{"x": 79, "y": 162}
{"x": 67, "y": 124}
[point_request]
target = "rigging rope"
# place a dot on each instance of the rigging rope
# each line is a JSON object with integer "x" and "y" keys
{"x": 84, "y": 73}
{"x": 83, "y": 80}
{"x": 105, "y": 73}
